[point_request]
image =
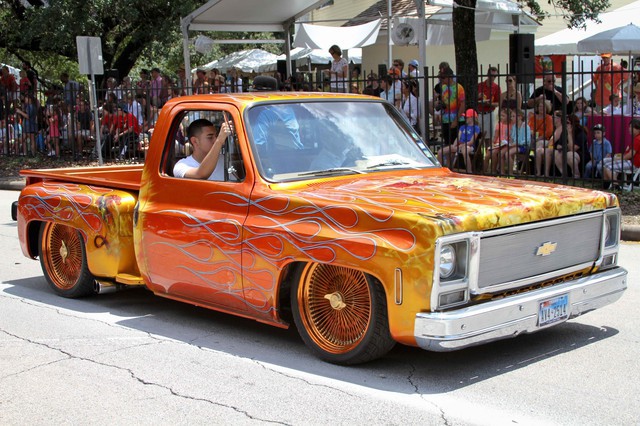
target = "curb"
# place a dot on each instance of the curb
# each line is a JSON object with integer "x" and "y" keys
{"x": 627, "y": 233}
{"x": 12, "y": 184}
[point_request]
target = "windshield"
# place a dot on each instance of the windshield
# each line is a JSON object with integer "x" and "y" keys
{"x": 303, "y": 140}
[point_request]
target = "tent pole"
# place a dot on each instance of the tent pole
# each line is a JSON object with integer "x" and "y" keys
{"x": 422, "y": 54}
{"x": 389, "y": 52}
{"x": 187, "y": 57}
{"x": 287, "y": 50}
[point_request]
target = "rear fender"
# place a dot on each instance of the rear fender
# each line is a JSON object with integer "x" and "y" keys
{"x": 103, "y": 216}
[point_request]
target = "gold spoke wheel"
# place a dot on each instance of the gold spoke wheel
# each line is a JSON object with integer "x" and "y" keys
{"x": 335, "y": 305}
{"x": 63, "y": 260}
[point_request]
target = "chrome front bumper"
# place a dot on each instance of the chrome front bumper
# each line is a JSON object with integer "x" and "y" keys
{"x": 508, "y": 317}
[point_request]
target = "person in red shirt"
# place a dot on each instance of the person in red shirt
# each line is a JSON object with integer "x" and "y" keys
{"x": 612, "y": 167}
{"x": 488, "y": 101}
{"x": 25, "y": 83}
{"x": 127, "y": 131}
{"x": 8, "y": 83}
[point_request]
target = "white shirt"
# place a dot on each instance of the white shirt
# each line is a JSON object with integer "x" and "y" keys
{"x": 410, "y": 109}
{"x": 338, "y": 82}
{"x": 181, "y": 167}
{"x": 136, "y": 109}
{"x": 613, "y": 110}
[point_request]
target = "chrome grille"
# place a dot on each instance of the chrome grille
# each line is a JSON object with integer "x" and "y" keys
{"x": 512, "y": 257}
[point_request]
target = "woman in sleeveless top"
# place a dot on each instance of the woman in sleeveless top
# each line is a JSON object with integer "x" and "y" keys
{"x": 511, "y": 98}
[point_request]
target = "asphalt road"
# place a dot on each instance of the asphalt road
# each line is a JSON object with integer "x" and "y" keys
{"x": 134, "y": 358}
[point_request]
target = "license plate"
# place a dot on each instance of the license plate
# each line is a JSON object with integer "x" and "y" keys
{"x": 553, "y": 310}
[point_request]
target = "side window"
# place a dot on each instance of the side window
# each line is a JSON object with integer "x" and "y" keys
{"x": 184, "y": 154}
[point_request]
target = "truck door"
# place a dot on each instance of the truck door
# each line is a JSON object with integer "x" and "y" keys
{"x": 190, "y": 230}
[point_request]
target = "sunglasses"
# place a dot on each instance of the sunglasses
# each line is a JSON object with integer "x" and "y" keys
{"x": 509, "y": 80}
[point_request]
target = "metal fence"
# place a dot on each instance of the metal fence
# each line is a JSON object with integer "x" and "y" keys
{"x": 58, "y": 121}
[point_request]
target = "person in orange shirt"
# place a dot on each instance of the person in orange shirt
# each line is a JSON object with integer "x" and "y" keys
{"x": 541, "y": 123}
{"x": 607, "y": 80}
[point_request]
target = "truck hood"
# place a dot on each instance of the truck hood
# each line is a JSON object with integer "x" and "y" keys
{"x": 456, "y": 202}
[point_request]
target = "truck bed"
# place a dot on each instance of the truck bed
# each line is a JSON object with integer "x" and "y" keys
{"x": 117, "y": 177}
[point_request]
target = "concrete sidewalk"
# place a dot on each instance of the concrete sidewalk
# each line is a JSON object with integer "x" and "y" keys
{"x": 628, "y": 232}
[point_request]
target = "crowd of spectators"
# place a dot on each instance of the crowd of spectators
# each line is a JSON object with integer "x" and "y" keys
{"x": 547, "y": 124}
{"x": 549, "y": 131}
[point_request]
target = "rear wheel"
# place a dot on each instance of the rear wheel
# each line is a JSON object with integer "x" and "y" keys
{"x": 64, "y": 261}
{"x": 341, "y": 314}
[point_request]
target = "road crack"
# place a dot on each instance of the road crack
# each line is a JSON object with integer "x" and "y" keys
{"x": 132, "y": 374}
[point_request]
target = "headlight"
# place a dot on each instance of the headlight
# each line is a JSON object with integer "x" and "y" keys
{"x": 447, "y": 261}
{"x": 611, "y": 231}
{"x": 452, "y": 263}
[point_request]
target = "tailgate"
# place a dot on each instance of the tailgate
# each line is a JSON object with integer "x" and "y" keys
{"x": 122, "y": 177}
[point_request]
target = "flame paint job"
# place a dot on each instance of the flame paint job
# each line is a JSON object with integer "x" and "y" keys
{"x": 103, "y": 216}
{"x": 226, "y": 245}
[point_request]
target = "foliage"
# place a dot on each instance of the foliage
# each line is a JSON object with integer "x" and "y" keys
{"x": 135, "y": 34}
{"x": 127, "y": 28}
{"x": 574, "y": 12}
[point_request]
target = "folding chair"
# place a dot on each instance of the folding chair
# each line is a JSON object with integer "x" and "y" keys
{"x": 628, "y": 185}
{"x": 459, "y": 158}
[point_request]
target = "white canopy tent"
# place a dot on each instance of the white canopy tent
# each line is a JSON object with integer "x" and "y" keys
{"x": 565, "y": 42}
{"x": 499, "y": 15}
{"x": 309, "y": 57}
{"x": 246, "y": 60}
{"x": 245, "y": 16}
{"x": 322, "y": 37}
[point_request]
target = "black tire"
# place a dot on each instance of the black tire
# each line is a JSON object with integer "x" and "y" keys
{"x": 64, "y": 261}
{"x": 340, "y": 313}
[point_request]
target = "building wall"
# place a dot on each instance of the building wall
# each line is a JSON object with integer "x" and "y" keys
{"x": 340, "y": 9}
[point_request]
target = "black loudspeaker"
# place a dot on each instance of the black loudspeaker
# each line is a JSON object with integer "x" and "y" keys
{"x": 282, "y": 69}
{"x": 382, "y": 70}
{"x": 522, "y": 57}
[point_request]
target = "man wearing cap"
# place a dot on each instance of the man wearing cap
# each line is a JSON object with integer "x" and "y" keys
{"x": 413, "y": 68}
{"x": 607, "y": 80}
{"x": 599, "y": 150}
{"x": 488, "y": 101}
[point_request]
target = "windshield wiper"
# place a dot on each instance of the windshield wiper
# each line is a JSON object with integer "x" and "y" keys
{"x": 334, "y": 171}
{"x": 390, "y": 163}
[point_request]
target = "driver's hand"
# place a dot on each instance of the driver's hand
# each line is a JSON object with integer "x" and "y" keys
{"x": 226, "y": 130}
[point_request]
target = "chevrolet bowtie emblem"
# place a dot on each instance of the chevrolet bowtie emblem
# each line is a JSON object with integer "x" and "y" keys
{"x": 546, "y": 249}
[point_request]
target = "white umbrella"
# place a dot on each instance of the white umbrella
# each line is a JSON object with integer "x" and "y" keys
{"x": 617, "y": 40}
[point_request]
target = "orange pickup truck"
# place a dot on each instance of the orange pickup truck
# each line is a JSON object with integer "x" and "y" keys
{"x": 328, "y": 212}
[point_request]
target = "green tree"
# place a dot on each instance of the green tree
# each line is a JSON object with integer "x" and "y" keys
{"x": 574, "y": 12}
{"x": 128, "y": 28}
